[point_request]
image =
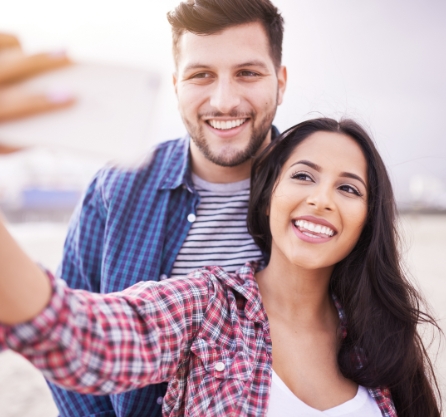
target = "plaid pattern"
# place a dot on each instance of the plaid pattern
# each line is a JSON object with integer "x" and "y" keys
{"x": 208, "y": 335}
{"x": 129, "y": 228}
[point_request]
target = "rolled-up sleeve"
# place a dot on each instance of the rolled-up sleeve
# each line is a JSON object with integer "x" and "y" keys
{"x": 110, "y": 343}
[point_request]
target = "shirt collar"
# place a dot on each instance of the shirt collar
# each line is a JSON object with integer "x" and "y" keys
{"x": 244, "y": 282}
{"x": 176, "y": 170}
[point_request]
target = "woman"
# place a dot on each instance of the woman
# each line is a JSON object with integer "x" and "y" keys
{"x": 330, "y": 314}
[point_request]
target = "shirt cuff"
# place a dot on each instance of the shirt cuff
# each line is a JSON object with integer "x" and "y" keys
{"x": 20, "y": 336}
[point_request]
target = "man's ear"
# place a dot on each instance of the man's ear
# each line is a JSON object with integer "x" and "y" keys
{"x": 175, "y": 82}
{"x": 282, "y": 77}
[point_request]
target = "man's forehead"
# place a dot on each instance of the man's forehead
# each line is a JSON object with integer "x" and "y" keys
{"x": 234, "y": 45}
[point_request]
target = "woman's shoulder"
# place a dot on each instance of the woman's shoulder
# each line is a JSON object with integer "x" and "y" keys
{"x": 242, "y": 280}
{"x": 203, "y": 286}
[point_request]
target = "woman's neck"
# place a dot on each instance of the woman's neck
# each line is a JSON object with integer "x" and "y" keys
{"x": 296, "y": 293}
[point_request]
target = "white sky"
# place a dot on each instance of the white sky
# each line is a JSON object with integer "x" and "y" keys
{"x": 381, "y": 62}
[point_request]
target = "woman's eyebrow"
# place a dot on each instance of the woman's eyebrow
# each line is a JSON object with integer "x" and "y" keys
{"x": 309, "y": 163}
{"x": 342, "y": 174}
{"x": 354, "y": 176}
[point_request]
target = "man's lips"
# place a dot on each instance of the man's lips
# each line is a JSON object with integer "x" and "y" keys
{"x": 227, "y": 128}
{"x": 226, "y": 124}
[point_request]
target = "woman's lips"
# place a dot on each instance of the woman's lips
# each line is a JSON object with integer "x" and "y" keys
{"x": 317, "y": 221}
{"x": 313, "y": 230}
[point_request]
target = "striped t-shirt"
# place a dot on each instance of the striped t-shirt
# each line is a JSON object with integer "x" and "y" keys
{"x": 219, "y": 235}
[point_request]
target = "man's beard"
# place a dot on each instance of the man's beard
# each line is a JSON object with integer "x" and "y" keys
{"x": 234, "y": 158}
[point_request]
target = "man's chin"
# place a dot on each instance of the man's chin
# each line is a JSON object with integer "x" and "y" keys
{"x": 230, "y": 151}
{"x": 228, "y": 157}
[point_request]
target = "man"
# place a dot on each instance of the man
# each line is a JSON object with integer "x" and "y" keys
{"x": 186, "y": 206}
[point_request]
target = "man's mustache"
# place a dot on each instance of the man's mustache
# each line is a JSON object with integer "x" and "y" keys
{"x": 233, "y": 114}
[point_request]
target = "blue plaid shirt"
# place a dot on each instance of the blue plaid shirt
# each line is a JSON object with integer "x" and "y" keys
{"x": 129, "y": 227}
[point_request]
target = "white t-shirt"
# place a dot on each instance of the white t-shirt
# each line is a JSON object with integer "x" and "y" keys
{"x": 283, "y": 403}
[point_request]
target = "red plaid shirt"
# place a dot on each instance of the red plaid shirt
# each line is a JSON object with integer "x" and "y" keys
{"x": 207, "y": 335}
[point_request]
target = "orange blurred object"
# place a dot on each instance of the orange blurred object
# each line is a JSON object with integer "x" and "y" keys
{"x": 16, "y": 66}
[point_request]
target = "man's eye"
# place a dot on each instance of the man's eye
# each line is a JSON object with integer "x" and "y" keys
{"x": 201, "y": 75}
{"x": 246, "y": 73}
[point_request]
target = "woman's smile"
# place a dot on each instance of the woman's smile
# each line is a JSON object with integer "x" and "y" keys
{"x": 313, "y": 230}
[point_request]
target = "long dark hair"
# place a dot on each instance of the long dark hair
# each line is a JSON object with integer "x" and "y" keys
{"x": 382, "y": 307}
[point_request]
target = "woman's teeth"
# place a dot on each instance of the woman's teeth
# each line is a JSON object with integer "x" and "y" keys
{"x": 226, "y": 125}
{"x": 306, "y": 226}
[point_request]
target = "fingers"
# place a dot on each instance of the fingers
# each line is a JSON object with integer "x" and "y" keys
{"x": 8, "y": 41}
{"x": 7, "y": 149}
{"x": 24, "y": 66}
{"x": 16, "y": 104}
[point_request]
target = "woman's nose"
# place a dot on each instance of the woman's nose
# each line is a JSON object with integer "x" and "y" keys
{"x": 321, "y": 198}
{"x": 225, "y": 97}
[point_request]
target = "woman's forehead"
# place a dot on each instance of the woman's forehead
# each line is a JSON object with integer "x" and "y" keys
{"x": 330, "y": 150}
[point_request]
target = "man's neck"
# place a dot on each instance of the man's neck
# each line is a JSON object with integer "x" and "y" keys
{"x": 211, "y": 172}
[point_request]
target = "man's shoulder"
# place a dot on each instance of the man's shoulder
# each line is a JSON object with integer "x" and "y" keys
{"x": 149, "y": 170}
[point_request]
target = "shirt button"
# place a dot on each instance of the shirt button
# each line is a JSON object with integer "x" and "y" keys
{"x": 163, "y": 277}
{"x": 219, "y": 366}
{"x": 159, "y": 400}
{"x": 191, "y": 218}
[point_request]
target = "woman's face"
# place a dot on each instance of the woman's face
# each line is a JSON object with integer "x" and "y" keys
{"x": 319, "y": 205}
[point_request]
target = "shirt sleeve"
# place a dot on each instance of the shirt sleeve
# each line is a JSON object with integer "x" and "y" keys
{"x": 110, "y": 343}
{"x": 81, "y": 269}
{"x": 83, "y": 248}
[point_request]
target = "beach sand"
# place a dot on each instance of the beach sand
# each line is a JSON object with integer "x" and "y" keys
{"x": 23, "y": 391}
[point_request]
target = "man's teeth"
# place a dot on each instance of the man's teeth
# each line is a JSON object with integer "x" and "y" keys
{"x": 312, "y": 227}
{"x": 225, "y": 125}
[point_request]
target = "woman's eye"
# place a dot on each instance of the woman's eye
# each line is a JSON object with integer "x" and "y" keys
{"x": 350, "y": 189}
{"x": 302, "y": 176}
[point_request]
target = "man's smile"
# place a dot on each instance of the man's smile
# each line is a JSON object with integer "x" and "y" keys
{"x": 225, "y": 124}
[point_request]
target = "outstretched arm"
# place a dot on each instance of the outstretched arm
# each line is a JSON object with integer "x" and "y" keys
{"x": 97, "y": 343}
{"x": 25, "y": 289}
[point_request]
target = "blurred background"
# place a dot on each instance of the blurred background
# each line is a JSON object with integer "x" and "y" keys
{"x": 100, "y": 76}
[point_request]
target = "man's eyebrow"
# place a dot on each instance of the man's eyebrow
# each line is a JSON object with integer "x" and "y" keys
{"x": 195, "y": 65}
{"x": 342, "y": 174}
{"x": 254, "y": 63}
{"x": 247, "y": 64}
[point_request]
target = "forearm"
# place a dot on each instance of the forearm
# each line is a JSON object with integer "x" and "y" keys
{"x": 25, "y": 289}
{"x": 110, "y": 343}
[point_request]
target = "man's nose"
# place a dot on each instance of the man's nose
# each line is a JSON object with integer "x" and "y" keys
{"x": 225, "y": 96}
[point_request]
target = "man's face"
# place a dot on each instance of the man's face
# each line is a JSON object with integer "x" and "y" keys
{"x": 228, "y": 90}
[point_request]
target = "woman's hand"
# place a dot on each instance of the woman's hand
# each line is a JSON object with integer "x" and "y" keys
{"x": 16, "y": 102}
{"x": 8, "y": 41}
{"x": 15, "y": 66}
{"x": 24, "y": 288}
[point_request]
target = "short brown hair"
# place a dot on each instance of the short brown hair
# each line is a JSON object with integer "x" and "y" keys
{"x": 206, "y": 17}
